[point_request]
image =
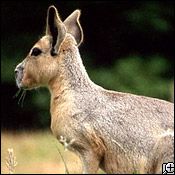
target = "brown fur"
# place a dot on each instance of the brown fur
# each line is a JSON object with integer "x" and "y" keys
{"x": 119, "y": 132}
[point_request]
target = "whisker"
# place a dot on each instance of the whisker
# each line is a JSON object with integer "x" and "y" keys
{"x": 21, "y": 99}
{"x": 22, "y": 102}
{"x": 17, "y": 93}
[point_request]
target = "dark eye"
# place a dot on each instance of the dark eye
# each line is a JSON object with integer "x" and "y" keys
{"x": 36, "y": 51}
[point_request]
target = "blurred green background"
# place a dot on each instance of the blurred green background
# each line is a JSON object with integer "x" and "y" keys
{"x": 128, "y": 46}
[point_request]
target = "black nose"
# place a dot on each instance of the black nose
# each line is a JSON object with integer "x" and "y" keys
{"x": 16, "y": 73}
{"x": 18, "y": 69}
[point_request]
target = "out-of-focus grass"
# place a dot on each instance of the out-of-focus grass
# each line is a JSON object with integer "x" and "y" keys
{"x": 150, "y": 76}
{"x": 36, "y": 152}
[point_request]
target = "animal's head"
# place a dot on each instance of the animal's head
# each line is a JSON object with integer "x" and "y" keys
{"x": 44, "y": 59}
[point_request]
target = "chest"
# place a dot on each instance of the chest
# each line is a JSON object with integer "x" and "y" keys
{"x": 62, "y": 121}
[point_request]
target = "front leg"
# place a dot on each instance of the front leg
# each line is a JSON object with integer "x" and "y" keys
{"x": 90, "y": 162}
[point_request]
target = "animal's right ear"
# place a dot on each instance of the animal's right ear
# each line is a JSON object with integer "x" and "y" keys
{"x": 55, "y": 28}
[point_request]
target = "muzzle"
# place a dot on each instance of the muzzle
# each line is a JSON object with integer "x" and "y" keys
{"x": 19, "y": 74}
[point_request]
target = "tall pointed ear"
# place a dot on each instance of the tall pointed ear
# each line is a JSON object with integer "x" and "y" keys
{"x": 73, "y": 26}
{"x": 55, "y": 28}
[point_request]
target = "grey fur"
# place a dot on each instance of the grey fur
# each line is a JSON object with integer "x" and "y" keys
{"x": 129, "y": 126}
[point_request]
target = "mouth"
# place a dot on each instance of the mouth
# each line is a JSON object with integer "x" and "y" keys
{"x": 18, "y": 77}
{"x": 23, "y": 82}
{"x": 20, "y": 85}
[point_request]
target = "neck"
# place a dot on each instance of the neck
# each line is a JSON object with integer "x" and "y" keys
{"x": 72, "y": 75}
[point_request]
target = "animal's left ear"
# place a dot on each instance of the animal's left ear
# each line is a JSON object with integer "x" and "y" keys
{"x": 73, "y": 26}
{"x": 55, "y": 28}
